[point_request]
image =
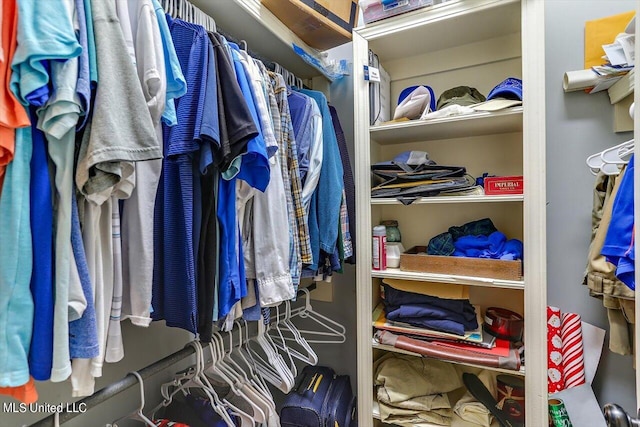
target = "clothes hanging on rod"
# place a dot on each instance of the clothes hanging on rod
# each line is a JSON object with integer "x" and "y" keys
{"x": 171, "y": 190}
{"x": 601, "y": 277}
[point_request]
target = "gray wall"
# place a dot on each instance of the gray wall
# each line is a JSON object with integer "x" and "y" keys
{"x": 578, "y": 125}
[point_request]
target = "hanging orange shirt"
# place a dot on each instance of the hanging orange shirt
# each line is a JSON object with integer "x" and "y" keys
{"x": 25, "y": 393}
{"x": 12, "y": 114}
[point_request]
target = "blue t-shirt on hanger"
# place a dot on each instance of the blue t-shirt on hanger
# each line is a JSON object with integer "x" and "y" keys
{"x": 619, "y": 247}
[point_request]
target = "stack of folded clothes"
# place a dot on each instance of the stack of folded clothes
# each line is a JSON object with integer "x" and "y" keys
{"x": 454, "y": 316}
{"x": 412, "y": 391}
{"x": 413, "y": 174}
{"x": 476, "y": 239}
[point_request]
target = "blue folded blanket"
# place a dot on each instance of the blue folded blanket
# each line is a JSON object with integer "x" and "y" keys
{"x": 494, "y": 246}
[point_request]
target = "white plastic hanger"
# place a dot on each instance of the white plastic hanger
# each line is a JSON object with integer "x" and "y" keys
{"x": 279, "y": 343}
{"x": 219, "y": 406}
{"x": 138, "y": 415}
{"x": 194, "y": 378}
{"x": 273, "y": 370}
{"x": 265, "y": 401}
{"x": 285, "y": 325}
{"x": 245, "y": 356}
{"x": 608, "y": 161}
{"x": 331, "y": 327}
{"x": 217, "y": 369}
{"x": 238, "y": 386}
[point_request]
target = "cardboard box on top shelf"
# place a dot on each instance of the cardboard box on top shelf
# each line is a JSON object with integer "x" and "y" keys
{"x": 321, "y": 24}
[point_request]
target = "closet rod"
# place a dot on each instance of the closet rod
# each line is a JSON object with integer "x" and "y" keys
{"x": 129, "y": 381}
{"x": 118, "y": 387}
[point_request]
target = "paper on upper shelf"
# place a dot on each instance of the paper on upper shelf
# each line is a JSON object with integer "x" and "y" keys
{"x": 615, "y": 54}
{"x": 627, "y": 42}
{"x": 604, "y": 84}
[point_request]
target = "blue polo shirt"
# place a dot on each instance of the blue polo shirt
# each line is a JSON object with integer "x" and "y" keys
{"x": 174, "y": 284}
{"x": 254, "y": 169}
{"x": 619, "y": 248}
{"x": 42, "y": 283}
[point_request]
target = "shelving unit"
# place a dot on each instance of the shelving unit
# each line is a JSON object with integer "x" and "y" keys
{"x": 500, "y": 39}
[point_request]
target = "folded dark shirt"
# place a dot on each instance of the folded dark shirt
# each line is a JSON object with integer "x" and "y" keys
{"x": 466, "y": 318}
{"x": 395, "y": 298}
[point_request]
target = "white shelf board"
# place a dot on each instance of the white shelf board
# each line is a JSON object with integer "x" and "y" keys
{"x": 264, "y": 33}
{"x": 396, "y": 273}
{"x": 376, "y": 410}
{"x": 453, "y": 199}
{"x": 479, "y": 123}
{"x": 455, "y": 22}
{"x": 392, "y": 349}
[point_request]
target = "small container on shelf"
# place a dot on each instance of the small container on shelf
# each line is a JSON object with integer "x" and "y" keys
{"x": 393, "y": 232}
{"x": 394, "y": 250}
{"x": 375, "y": 10}
{"x": 503, "y": 185}
{"x": 379, "y": 254}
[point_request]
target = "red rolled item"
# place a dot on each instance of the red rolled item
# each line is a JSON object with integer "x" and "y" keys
{"x": 555, "y": 375}
{"x": 504, "y": 324}
{"x": 572, "y": 350}
{"x": 432, "y": 349}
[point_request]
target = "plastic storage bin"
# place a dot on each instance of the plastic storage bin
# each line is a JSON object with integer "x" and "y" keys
{"x": 375, "y": 10}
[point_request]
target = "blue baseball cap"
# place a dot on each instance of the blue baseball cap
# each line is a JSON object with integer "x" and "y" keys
{"x": 414, "y": 111}
{"x": 510, "y": 88}
{"x": 508, "y": 93}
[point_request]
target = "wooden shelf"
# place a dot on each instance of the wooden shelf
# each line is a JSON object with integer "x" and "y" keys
{"x": 453, "y": 199}
{"x": 396, "y": 273}
{"x": 456, "y": 23}
{"x": 264, "y": 33}
{"x": 392, "y": 349}
{"x": 480, "y": 123}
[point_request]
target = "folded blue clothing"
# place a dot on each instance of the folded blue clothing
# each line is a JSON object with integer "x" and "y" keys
{"x": 467, "y": 318}
{"x": 493, "y": 246}
{"x": 443, "y": 243}
{"x": 466, "y": 315}
{"x": 395, "y": 298}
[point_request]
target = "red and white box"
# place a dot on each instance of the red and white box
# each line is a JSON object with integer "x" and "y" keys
{"x": 503, "y": 185}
